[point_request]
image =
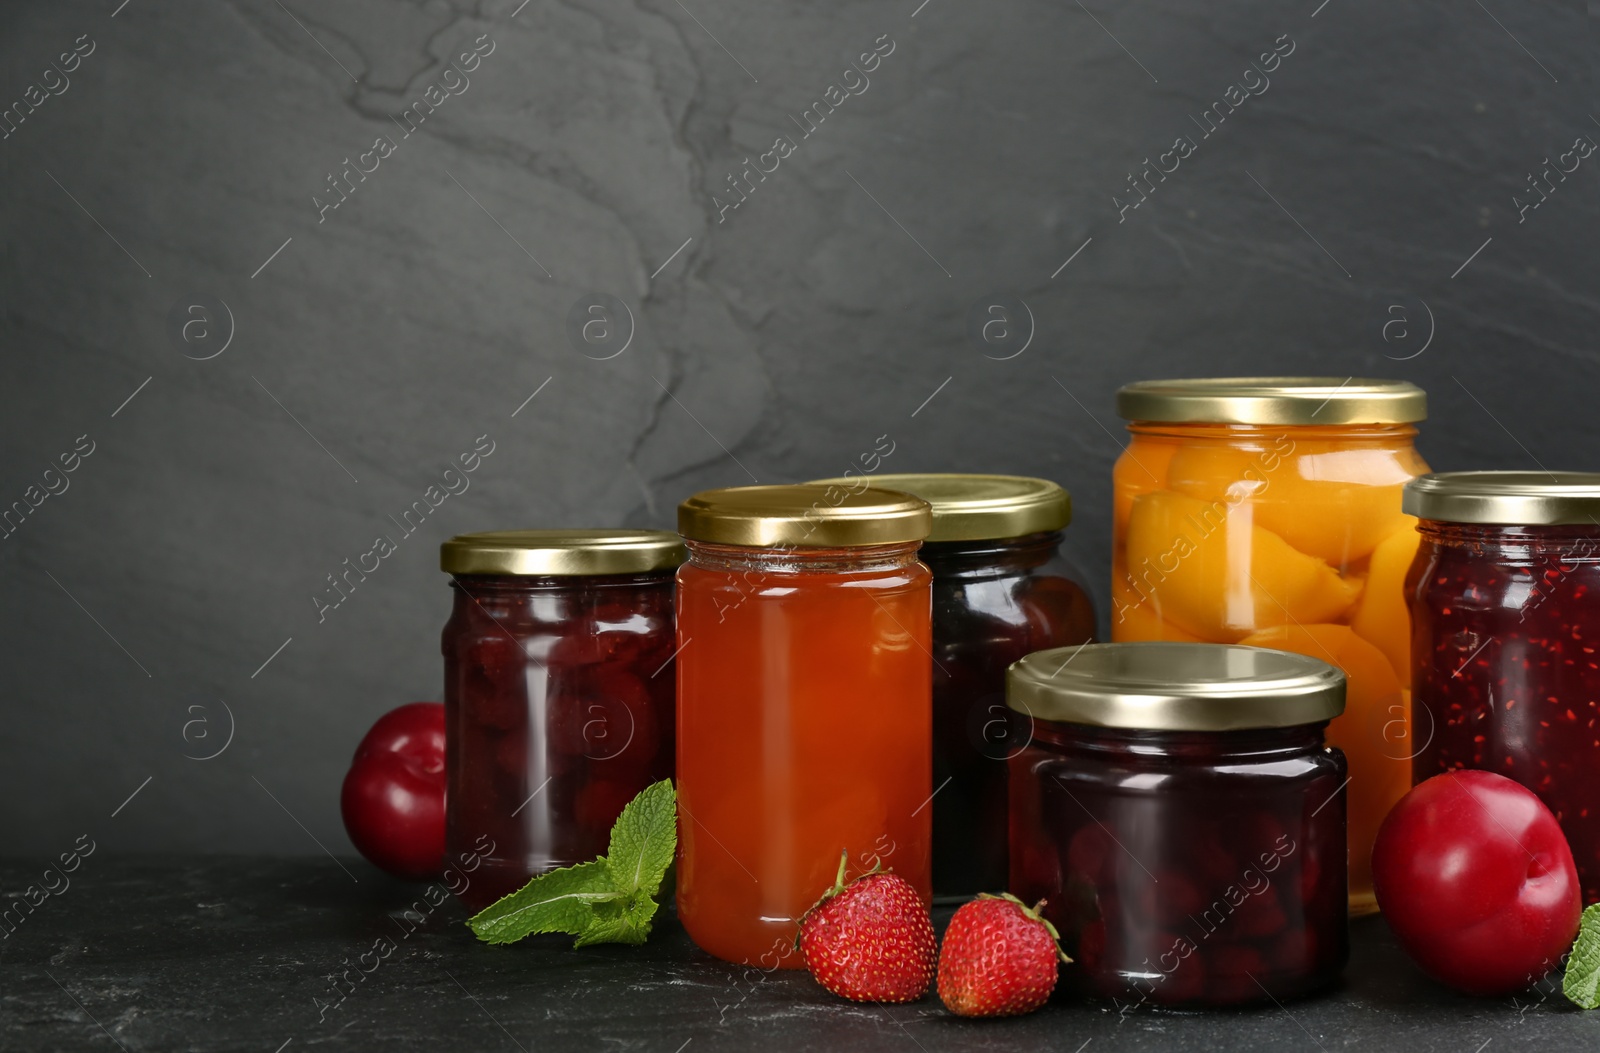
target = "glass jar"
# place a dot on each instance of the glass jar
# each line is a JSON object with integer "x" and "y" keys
{"x": 1179, "y": 814}
{"x": 1001, "y": 590}
{"x": 803, "y": 720}
{"x": 1266, "y": 511}
{"x": 558, "y": 693}
{"x": 1504, "y": 595}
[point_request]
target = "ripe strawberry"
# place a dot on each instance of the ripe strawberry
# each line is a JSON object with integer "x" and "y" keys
{"x": 998, "y": 959}
{"x": 871, "y": 940}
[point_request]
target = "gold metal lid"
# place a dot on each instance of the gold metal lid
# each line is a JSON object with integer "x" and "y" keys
{"x": 1273, "y": 400}
{"x": 804, "y": 516}
{"x": 1163, "y": 686}
{"x": 1507, "y": 498}
{"x": 978, "y": 507}
{"x": 562, "y": 553}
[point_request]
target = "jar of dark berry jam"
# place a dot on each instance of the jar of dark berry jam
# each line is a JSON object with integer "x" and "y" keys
{"x": 1505, "y": 638}
{"x": 1183, "y": 820}
{"x": 1001, "y": 590}
{"x": 558, "y": 690}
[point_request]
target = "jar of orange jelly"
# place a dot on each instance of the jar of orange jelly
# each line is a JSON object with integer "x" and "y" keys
{"x": 804, "y": 724}
{"x": 1266, "y": 511}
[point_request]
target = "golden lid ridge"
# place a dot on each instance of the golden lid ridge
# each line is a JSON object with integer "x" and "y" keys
{"x": 1273, "y": 400}
{"x": 977, "y": 507}
{"x": 1505, "y": 498}
{"x": 1166, "y": 686}
{"x": 804, "y": 516}
{"x": 562, "y": 553}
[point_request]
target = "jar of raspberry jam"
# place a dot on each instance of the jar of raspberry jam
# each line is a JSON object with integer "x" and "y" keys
{"x": 1179, "y": 813}
{"x": 803, "y": 720}
{"x": 1001, "y": 590}
{"x": 558, "y": 693}
{"x": 1505, "y": 638}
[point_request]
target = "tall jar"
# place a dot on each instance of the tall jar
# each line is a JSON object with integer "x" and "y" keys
{"x": 1001, "y": 589}
{"x": 803, "y": 721}
{"x": 558, "y": 693}
{"x": 1266, "y": 511}
{"x": 1183, "y": 821}
{"x": 1505, "y": 618}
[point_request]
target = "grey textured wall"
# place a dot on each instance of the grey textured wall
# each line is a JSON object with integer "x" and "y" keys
{"x": 983, "y": 153}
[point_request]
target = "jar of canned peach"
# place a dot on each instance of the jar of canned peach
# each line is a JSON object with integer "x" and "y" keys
{"x": 1266, "y": 511}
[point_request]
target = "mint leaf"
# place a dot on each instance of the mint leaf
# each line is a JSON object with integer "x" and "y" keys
{"x": 559, "y": 901}
{"x": 628, "y": 923}
{"x": 606, "y": 900}
{"x": 644, "y": 838}
{"x": 1582, "y": 982}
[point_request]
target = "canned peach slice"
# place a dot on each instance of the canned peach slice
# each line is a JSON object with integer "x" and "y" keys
{"x": 1138, "y": 472}
{"x": 1381, "y": 617}
{"x": 1135, "y": 619}
{"x": 1283, "y": 489}
{"x": 1212, "y": 572}
{"x": 1374, "y": 731}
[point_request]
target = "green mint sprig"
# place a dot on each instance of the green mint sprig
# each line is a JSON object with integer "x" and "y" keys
{"x": 1582, "y": 982}
{"x": 607, "y": 900}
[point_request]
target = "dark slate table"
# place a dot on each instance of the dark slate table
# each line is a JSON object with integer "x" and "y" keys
{"x": 229, "y": 953}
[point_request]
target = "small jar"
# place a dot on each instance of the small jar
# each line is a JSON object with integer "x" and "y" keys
{"x": 1505, "y": 621}
{"x": 558, "y": 693}
{"x": 1183, "y": 820}
{"x": 1266, "y": 511}
{"x": 1001, "y": 590}
{"x": 803, "y": 721}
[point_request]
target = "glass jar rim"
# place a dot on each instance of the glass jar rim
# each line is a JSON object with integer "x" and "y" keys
{"x": 977, "y": 507}
{"x": 1500, "y": 498}
{"x": 1273, "y": 400}
{"x": 1171, "y": 686}
{"x": 561, "y": 553}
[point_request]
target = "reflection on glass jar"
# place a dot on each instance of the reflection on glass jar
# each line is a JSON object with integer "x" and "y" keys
{"x": 1505, "y": 613}
{"x": 1266, "y": 511}
{"x": 803, "y": 723}
{"x": 1179, "y": 814}
{"x": 1001, "y": 590}
{"x": 558, "y": 693}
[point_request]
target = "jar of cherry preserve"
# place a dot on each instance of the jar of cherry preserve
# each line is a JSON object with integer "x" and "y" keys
{"x": 1266, "y": 511}
{"x": 1183, "y": 820}
{"x": 558, "y": 693}
{"x": 1001, "y": 590}
{"x": 803, "y": 720}
{"x": 1505, "y": 623}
